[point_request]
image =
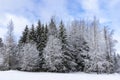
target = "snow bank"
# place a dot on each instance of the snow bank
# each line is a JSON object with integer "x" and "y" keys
{"x": 18, "y": 75}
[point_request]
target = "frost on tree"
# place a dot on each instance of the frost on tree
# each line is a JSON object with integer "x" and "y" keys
{"x": 78, "y": 45}
{"x": 85, "y": 47}
{"x": 53, "y": 55}
{"x": 68, "y": 61}
{"x": 3, "y": 64}
{"x": 100, "y": 50}
{"x": 3, "y": 56}
{"x": 29, "y": 57}
{"x": 52, "y": 30}
{"x": 10, "y": 44}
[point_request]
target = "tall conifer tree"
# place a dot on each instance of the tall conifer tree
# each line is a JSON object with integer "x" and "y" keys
{"x": 25, "y": 36}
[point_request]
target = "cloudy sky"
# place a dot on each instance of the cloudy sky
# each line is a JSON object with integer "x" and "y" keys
{"x": 24, "y": 12}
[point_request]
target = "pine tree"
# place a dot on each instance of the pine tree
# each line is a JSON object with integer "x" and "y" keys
{"x": 40, "y": 43}
{"x": 38, "y": 35}
{"x": 29, "y": 57}
{"x": 78, "y": 45}
{"x": 1, "y": 42}
{"x": 53, "y": 55}
{"x": 62, "y": 34}
{"x": 41, "y": 47}
{"x": 52, "y": 28}
{"x": 67, "y": 62}
{"x": 32, "y": 35}
{"x": 3, "y": 56}
{"x": 4, "y": 65}
{"x": 46, "y": 34}
{"x": 25, "y": 36}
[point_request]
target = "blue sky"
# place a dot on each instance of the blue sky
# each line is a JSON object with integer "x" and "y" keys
{"x": 24, "y": 12}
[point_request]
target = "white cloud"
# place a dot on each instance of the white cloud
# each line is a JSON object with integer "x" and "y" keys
{"x": 19, "y": 24}
{"x": 25, "y": 8}
{"x": 93, "y": 8}
{"x": 55, "y": 8}
{"x": 90, "y": 5}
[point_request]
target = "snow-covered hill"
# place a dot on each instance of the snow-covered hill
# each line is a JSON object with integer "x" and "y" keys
{"x": 18, "y": 75}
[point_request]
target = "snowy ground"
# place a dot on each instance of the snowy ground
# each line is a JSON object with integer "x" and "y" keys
{"x": 18, "y": 75}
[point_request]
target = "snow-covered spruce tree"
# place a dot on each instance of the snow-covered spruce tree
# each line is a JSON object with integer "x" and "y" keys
{"x": 78, "y": 45}
{"x": 24, "y": 39}
{"x": 1, "y": 42}
{"x": 52, "y": 29}
{"x": 25, "y": 36}
{"x": 53, "y": 55}
{"x": 68, "y": 63}
{"x": 38, "y": 35}
{"x": 32, "y": 35}
{"x": 28, "y": 57}
{"x": 3, "y": 56}
{"x": 40, "y": 42}
{"x": 44, "y": 39}
{"x": 42, "y": 46}
{"x": 45, "y": 34}
{"x": 62, "y": 34}
{"x": 10, "y": 45}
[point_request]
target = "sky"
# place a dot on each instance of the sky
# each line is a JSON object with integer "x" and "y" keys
{"x": 24, "y": 12}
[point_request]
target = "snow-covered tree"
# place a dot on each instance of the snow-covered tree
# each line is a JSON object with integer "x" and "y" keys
{"x": 25, "y": 36}
{"x": 38, "y": 35}
{"x": 79, "y": 45}
{"x": 62, "y": 33}
{"x": 41, "y": 36}
{"x": 3, "y": 56}
{"x": 29, "y": 57}
{"x": 117, "y": 63}
{"x": 10, "y": 44}
{"x": 87, "y": 47}
{"x": 3, "y": 59}
{"x": 53, "y": 55}
{"x": 32, "y": 35}
{"x": 45, "y": 34}
{"x": 101, "y": 60}
{"x": 109, "y": 50}
{"x": 68, "y": 60}
{"x": 52, "y": 30}
{"x": 1, "y": 42}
